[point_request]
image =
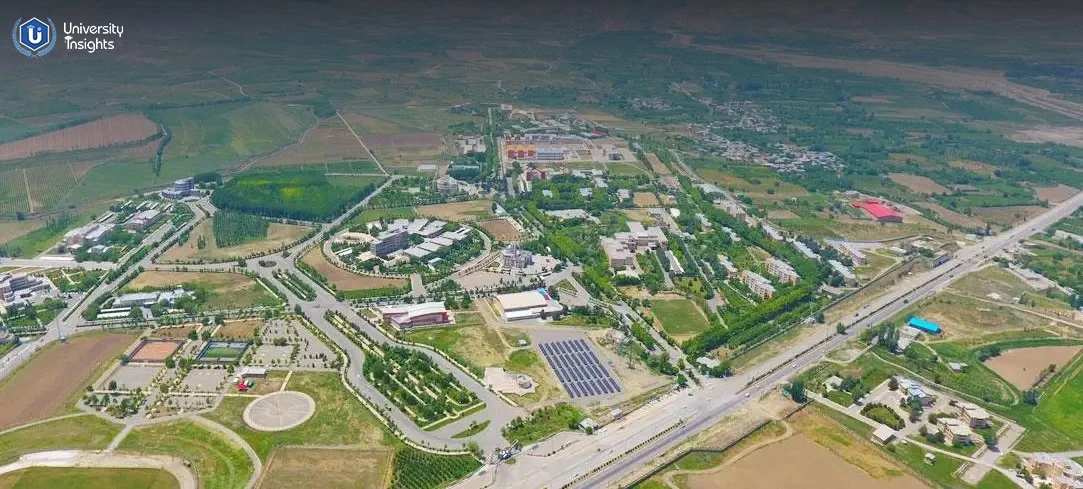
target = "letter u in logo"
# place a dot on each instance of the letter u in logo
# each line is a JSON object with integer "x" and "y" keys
{"x": 33, "y": 34}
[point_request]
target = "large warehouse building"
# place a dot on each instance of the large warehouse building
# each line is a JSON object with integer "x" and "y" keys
{"x": 878, "y": 210}
{"x": 406, "y": 316}
{"x": 527, "y": 305}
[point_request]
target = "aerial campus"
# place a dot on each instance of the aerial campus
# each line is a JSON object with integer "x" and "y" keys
{"x": 694, "y": 251}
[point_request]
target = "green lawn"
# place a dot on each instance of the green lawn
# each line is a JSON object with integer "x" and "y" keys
{"x": 88, "y": 478}
{"x": 478, "y": 428}
{"x": 217, "y": 462}
{"x": 340, "y": 419}
{"x": 1058, "y": 410}
{"x": 996, "y": 480}
{"x": 679, "y": 317}
{"x": 543, "y": 423}
{"x": 77, "y": 433}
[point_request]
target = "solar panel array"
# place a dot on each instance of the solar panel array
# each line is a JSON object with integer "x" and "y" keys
{"x": 578, "y": 369}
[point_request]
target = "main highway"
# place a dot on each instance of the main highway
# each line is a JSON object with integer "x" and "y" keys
{"x": 614, "y": 453}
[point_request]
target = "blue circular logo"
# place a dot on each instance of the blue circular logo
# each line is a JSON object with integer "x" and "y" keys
{"x": 34, "y": 38}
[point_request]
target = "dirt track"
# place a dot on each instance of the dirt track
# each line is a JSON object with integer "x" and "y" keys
{"x": 75, "y": 458}
{"x": 957, "y": 78}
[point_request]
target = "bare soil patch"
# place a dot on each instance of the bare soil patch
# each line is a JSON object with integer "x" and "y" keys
{"x": 346, "y": 280}
{"x": 97, "y": 134}
{"x": 328, "y": 142}
{"x": 657, "y": 166}
{"x": 48, "y": 382}
{"x": 173, "y": 332}
{"x": 471, "y": 210}
{"x": 808, "y": 465}
{"x": 1010, "y": 215}
{"x": 974, "y": 166}
{"x": 404, "y": 140}
{"x": 327, "y": 468}
{"x": 918, "y": 183}
{"x": 1055, "y": 195}
{"x": 957, "y": 78}
{"x": 501, "y": 229}
{"x": 1069, "y": 136}
{"x": 956, "y": 218}
{"x": 1022, "y": 366}
{"x": 872, "y": 100}
{"x": 10, "y": 230}
{"x": 279, "y": 235}
{"x": 155, "y": 350}
{"x": 243, "y": 329}
{"x": 645, "y": 199}
{"x": 781, "y": 214}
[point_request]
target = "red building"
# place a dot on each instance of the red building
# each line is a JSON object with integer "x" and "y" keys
{"x": 878, "y": 210}
{"x": 412, "y": 315}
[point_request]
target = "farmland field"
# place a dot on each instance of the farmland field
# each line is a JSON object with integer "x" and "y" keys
{"x": 1055, "y": 195}
{"x": 471, "y": 210}
{"x": 88, "y": 478}
{"x": 54, "y": 379}
{"x": 225, "y": 135}
{"x": 330, "y": 468}
{"x": 345, "y": 280}
{"x": 244, "y": 329}
{"x": 1022, "y": 366}
{"x": 645, "y": 199}
{"x": 1008, "y": 215}
{"x": 414, "y": 469}
{"x": 919, "y": 184}
{"x": 328, "y": 145}
{"x": 404, "y": 140}
{"x": 100, "y": 133}
{"x": 10, "y": 230}
{"x": 953, "y": 217}
{"x": 224, "y": 290}
{"x": 278, "y": 236}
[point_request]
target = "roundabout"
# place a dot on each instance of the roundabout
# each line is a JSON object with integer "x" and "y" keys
{"x": 279, "y": 411}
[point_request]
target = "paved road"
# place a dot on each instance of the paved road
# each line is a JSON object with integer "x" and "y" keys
{"x": 732, "y": 393}
{"x": 51, "y": 262}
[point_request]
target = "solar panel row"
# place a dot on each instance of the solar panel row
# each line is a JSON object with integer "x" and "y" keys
{"x": 578, "y": 369}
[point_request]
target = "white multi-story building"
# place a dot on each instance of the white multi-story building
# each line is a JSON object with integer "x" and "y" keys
{"x": 732, "y": 207}
{"x": 515, "y": 257}
{"x": 758, "y": 284}
{"x": 784, "y": 271}
{"x": 805, "y": 250}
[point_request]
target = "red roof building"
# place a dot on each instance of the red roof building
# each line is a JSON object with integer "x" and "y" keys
{"x": 878, "y": 210}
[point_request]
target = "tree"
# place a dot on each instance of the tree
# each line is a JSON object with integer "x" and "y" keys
{"x": 893, "y": 384}
{"x": 797, "y": 391}
{"x": 840, "y": 328}
{"x": 170, "y": 363}
{"x": 990, "y": 438}
{"x": 1030, "y": 396}
{"x": 206, "y": 335}
{"x": 112, "y": 385}
{"x": 193, "y": 335}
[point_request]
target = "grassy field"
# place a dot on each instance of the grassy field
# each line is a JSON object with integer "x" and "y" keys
{"x": 88, "y": 478}
{"x": 303, "y": 195}
{"x": 679, "y": 317}
{"x": 473, "y": 210}
{"x": 224, "y": 290}
{"x": 217, "y": 462}
{"x": 340, "y": 419}
{"x": 476, "y": 345}
{"x": 87, "y": 432}
{"x": 279, "y": 235}
{"x": 543, "y": 423}
{"x": 530, "y": 363}
{"x": 327, "y": 468}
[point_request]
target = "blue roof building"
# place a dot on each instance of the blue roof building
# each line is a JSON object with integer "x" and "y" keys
{"x": 924, "y": 325}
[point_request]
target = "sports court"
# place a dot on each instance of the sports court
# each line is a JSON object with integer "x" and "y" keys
{"x": 154, "y": 351}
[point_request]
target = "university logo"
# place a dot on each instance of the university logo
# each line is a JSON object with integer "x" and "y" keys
{"x": 34, "y": 38}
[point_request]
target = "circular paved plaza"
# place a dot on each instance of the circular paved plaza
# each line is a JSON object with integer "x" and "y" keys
{"x": 279, "y": 411}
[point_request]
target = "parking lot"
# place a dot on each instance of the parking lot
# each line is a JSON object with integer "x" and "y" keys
{"x": 204, "y": 380}
{"x": 312, "y": 353}
{"x": 131, "y": 377}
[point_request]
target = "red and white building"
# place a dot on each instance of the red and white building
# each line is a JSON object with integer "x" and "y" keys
{"x": 406, "y": 316}
{"x": 878, "y": 210}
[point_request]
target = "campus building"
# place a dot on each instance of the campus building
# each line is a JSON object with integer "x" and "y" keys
{"x": 390, "y": 241}
{"x": 784, "y": 271}
{"x": 147, "y": 299}
{"x": 406, "y": 316}
{"x": 974, "y": 415}
{"x": 92, "y": 233}
{"x": 526, "y": 305}
{"x": 446, "y": 185}
{"x": 180, "y": 189}
{"x": 13, "y": 286}
{"x": 515, "y": 257}
{"x": 758, "y": 284}
{"x": 1056, "y": 471}
{"x": 143, "y": 220}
